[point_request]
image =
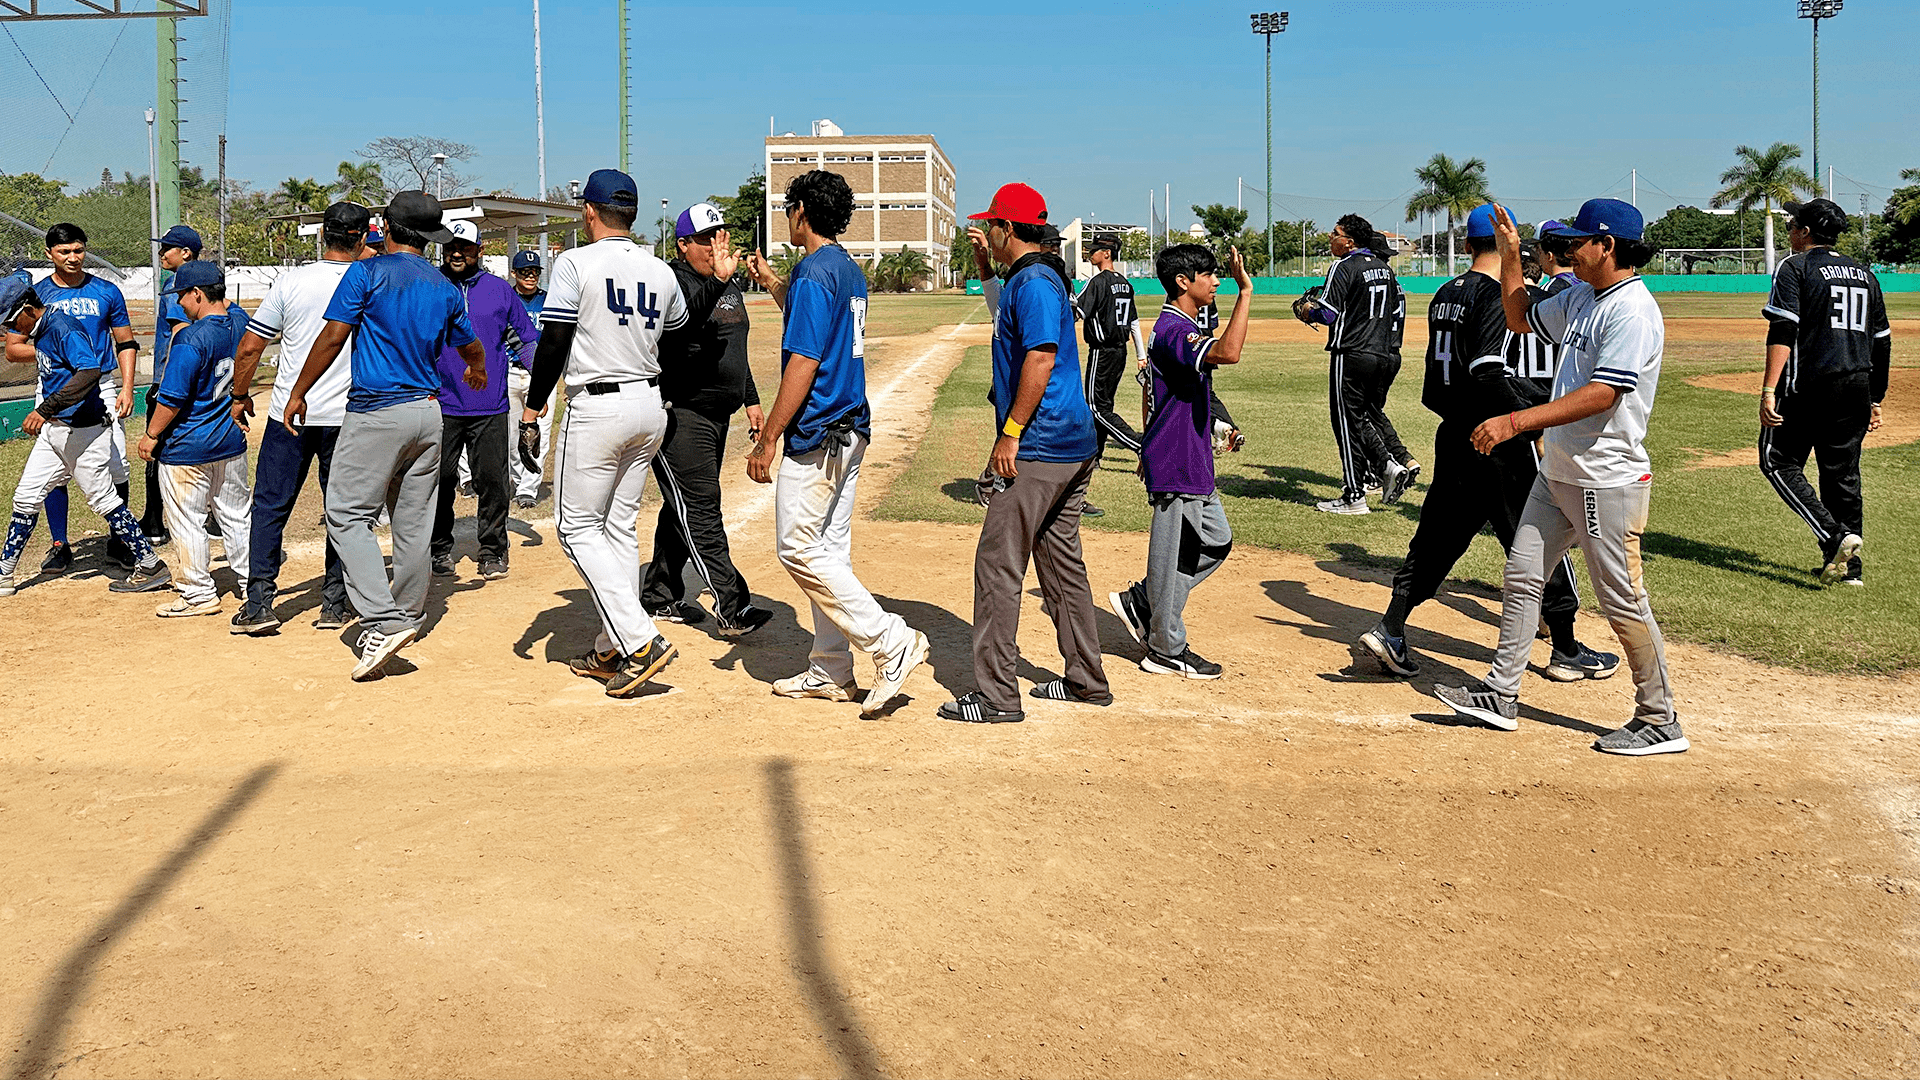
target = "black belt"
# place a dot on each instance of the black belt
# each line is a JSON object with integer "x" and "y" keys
{"x": 597, "y": 388}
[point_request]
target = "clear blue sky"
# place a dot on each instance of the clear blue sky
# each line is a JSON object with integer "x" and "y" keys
{"x": 1093, "y": 103}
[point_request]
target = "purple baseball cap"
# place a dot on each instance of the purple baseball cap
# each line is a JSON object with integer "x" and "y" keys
{"x": 699, "y": 218}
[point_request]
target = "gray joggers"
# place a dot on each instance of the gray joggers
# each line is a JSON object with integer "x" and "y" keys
{"x": 1606, "y": 523}
{"x": 1189, "y": 540}
{"x": 386, "y": 458}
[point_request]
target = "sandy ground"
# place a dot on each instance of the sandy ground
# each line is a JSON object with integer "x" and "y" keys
{"x": 224, "y": 858}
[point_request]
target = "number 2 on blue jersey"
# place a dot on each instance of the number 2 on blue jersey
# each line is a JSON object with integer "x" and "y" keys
{"x": 647, "y": 303}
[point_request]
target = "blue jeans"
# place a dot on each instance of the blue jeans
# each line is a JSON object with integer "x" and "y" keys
{"x": 284, "y": 461}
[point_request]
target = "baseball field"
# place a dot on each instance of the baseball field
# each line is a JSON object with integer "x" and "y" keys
{"x": 225, "y": 858}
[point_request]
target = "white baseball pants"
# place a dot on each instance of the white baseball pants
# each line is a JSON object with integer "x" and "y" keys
{"x": 813, "y": 521}
{"x": 606, "y": 447}
{"x": 116, "y": 427}
{"x": 61, "y": 453}
{"x": 188, "y": 492}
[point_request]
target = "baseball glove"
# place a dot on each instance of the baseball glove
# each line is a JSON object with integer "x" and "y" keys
{"x": 1306, "y": 306}
{"x": 530, "y": 445}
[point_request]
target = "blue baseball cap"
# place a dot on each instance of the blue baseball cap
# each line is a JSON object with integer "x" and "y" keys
{"x": 1551, "y": 225}
{"x": 13, "y": 291}
{"x": 526, "y": 260}
{"x": 610, "y": 187}
{"x": 180, "y": 236}
{"x": 1480, "y": 222}
{"x": 698, "y": 218}
{"x": 195, "y": 274}
{"x": 1605, "y": 217}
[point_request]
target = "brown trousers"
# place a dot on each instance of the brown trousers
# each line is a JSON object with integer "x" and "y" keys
{"x": 1037, "y": 519}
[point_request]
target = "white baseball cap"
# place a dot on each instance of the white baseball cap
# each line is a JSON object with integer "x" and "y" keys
{"x": 465, "y": 230}
{"x": 698, "y": 218}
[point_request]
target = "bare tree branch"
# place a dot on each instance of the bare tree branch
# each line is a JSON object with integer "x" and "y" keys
{"x": 406, "y": 162}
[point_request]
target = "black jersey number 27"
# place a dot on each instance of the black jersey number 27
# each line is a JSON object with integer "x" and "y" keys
{"x": 648, "y": 303}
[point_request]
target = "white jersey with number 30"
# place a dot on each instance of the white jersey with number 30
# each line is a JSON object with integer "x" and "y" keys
{"x": 623, "y": 298}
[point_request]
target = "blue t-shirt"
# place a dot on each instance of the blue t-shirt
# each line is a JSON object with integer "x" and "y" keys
{"x": 1035, "y": 311}
{"x": 1177, "y": 448}
{"x": 404, "y": 311}
{"x": 170, "y": 313}
{"x": 61, "y": 348}
{"x": 522, "y": 353}
{"x": 826, "y": 320}
{"x": 199, "y": 383}
{"x": 96, "y": 304}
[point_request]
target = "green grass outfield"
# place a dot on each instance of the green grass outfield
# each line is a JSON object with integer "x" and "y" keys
{"x": 1727, "y": 562}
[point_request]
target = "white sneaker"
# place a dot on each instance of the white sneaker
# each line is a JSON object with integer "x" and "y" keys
{"x": 181, "y": 607}
{"x": 1355, "y": 505}
{"x": 891, "y": 673}
{"x": 812, "y": 684}
{"x": 377, "y": 648}
{"x": 7, "y": 587}
{"x": 1843, "y": 553}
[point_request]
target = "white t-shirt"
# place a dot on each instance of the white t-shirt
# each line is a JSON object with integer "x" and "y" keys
{"x": 1614, "y": 338}
{"x": 622, "y": 298}
{"x": 294, "y": 312}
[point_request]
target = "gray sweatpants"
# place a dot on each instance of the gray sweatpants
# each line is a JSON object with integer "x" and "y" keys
{"x": 1189, "y": 540}
{"x": 386, "y": 458}
{"x": 1037, "y": 519}
{"x": 1606, "y": 523}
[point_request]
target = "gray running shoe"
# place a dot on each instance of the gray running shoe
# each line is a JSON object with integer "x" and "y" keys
{"x": 1585, "y": 664}
{"x": 377, "y": 648}
{"x": 1389, "y": 651}
{"x": 1478, "y": 701}
{"x": 148, "y": 579}
{"x": 443, "y": 566}
{"x": 1640, "y": 739}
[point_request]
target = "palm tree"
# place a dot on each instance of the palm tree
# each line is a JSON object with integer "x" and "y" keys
{"x": 361, "y": 183}
{"x": 898, "y": 271}
{"x": 1908, "y": 208}
{"x": 308, "y": 194}
{"x": 1763, "y": 177}
{"x": 1453, "y": 189}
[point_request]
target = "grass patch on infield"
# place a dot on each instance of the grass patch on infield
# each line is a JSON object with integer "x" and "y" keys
{"x": 1727, "y": 563}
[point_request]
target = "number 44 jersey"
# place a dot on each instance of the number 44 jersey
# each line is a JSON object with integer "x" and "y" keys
{"x": 1837, "y": 311}
{"x": 623, "y": 298}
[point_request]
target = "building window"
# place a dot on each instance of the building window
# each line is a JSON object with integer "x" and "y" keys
{"x": 863, "y": 157}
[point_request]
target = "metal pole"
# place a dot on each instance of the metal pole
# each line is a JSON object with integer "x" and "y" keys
{"x": 1269, "y": 38}
{"x": 1635, "y": 197}
{"x": 539, "y": 133}
{"x": 1816, "y": 99}
{"x": 1865, "y": 255}
{"x": 626, "y": 161}
{"x": 153, "y": 212}
{"x": 223, "y": 202}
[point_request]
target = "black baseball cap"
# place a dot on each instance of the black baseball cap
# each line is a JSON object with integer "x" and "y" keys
{"x": 1106, "y": 242}
{"x": 419, "y": 212}
{"x": 346, "y": 217}
{"x": 1822, "y": 217}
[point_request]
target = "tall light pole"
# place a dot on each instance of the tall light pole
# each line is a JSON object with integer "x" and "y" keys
{"x": 539, "y": 132}
{"x": 439, "y": 175}
{"x": 1817, "y": 10}
{"x": 1267, "y": 24}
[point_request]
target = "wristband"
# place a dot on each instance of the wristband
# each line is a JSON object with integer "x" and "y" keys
{"x": 1012, "y": 430}
{"x": 1766, "y": 389}
{"x": 1513, "y": 418}
{"x": 238, "y": 396}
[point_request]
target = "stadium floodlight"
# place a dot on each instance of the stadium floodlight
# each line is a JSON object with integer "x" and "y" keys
{"x": 1267, "y": 24}
{"x": 439, "y": 175}
{"x": 1817, "y": 10}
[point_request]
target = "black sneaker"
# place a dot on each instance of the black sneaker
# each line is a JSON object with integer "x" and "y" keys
{"x": 1389, "y": 652}
{"x": 641, "y": 667}
{"x": 255, "y": 619}
{"x": 523, "y": 502}
{"x": 143, "y": 579}
{"x": 750, "y": 619}
{"x": 443, "y": 566}
{"x": 1583, "y": 664}
{"x": 59, "y": 558}
{"x": 1481, "y": 702}
{"x": 1188, "y": 665}
{"x": 972, "y": 708}
{"x": 596, "y": 664}
{"x": 120, "y": 554}
{"x": 493, "y": 569}
{"x": 333, "y": 619}
{"x": 1087, "y": 509}
{"x": 466, "y": 489}
{"x": 679, "y": 611}
{"x": 1131, "y": 605}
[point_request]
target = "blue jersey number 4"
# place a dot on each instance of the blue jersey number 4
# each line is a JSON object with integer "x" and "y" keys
{"x": 647, "y": 301}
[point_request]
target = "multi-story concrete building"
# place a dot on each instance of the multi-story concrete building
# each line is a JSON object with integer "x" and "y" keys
{"x": 903, "y": 188}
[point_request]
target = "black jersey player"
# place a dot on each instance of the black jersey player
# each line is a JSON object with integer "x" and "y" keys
{"x": 1107, "y": 320}
{"x": 1828, "y": 348}
{"x": 1477, "y": 368}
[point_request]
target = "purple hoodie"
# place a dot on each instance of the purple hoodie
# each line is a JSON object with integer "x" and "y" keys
{"x": 499, "y": 320}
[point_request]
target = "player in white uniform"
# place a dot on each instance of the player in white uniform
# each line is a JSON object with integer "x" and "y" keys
{"x": 607, "y": 305}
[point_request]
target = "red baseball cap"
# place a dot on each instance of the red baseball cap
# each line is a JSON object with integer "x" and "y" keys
{"x": 1015, "y": 202}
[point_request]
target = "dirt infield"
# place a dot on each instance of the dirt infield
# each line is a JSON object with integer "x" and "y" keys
{"x": 225, "y": 858}
{"x": 1899, "y": 426}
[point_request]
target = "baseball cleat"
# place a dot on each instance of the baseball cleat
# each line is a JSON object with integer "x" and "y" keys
{"x": 377, "y": 648}
{"x": 678, "y": 611}
{"x": 145, "y": 579}
{"x": 812, "y": 684}
{"x": 1087, "y": 509}
{"x": 1399, "y": 480}
{"x": 180, "y": 607}
{"x": 59, "y": 558}
{"x": 1389, "y": 652}
{"x": 1188, "y": 665}
{"x": 333, "y": 619}
{"x": 1058, "y": 690}
{"x": 254, "y": 619}
{"x": 750, "y": 619}
{"x": 890, "y": 672}
{"x": 1837, "y": 560}
{"x": 1478, "y": 701}
{"x": 1346, "y": 504}
{"x": 972, "y": 708}
{"x": 1641, "y": 739}
{"x": 595, "y": 664}
{"x": 1585, "y": 664}
{"x": 641, "y": 667}
{"x": 493, "y": 569}
{"x": 1131, "y": 605}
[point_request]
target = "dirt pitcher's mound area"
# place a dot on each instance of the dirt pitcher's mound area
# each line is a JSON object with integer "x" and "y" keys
{"x": 1899, "y": 425}
{"x": 224, "y": 858}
